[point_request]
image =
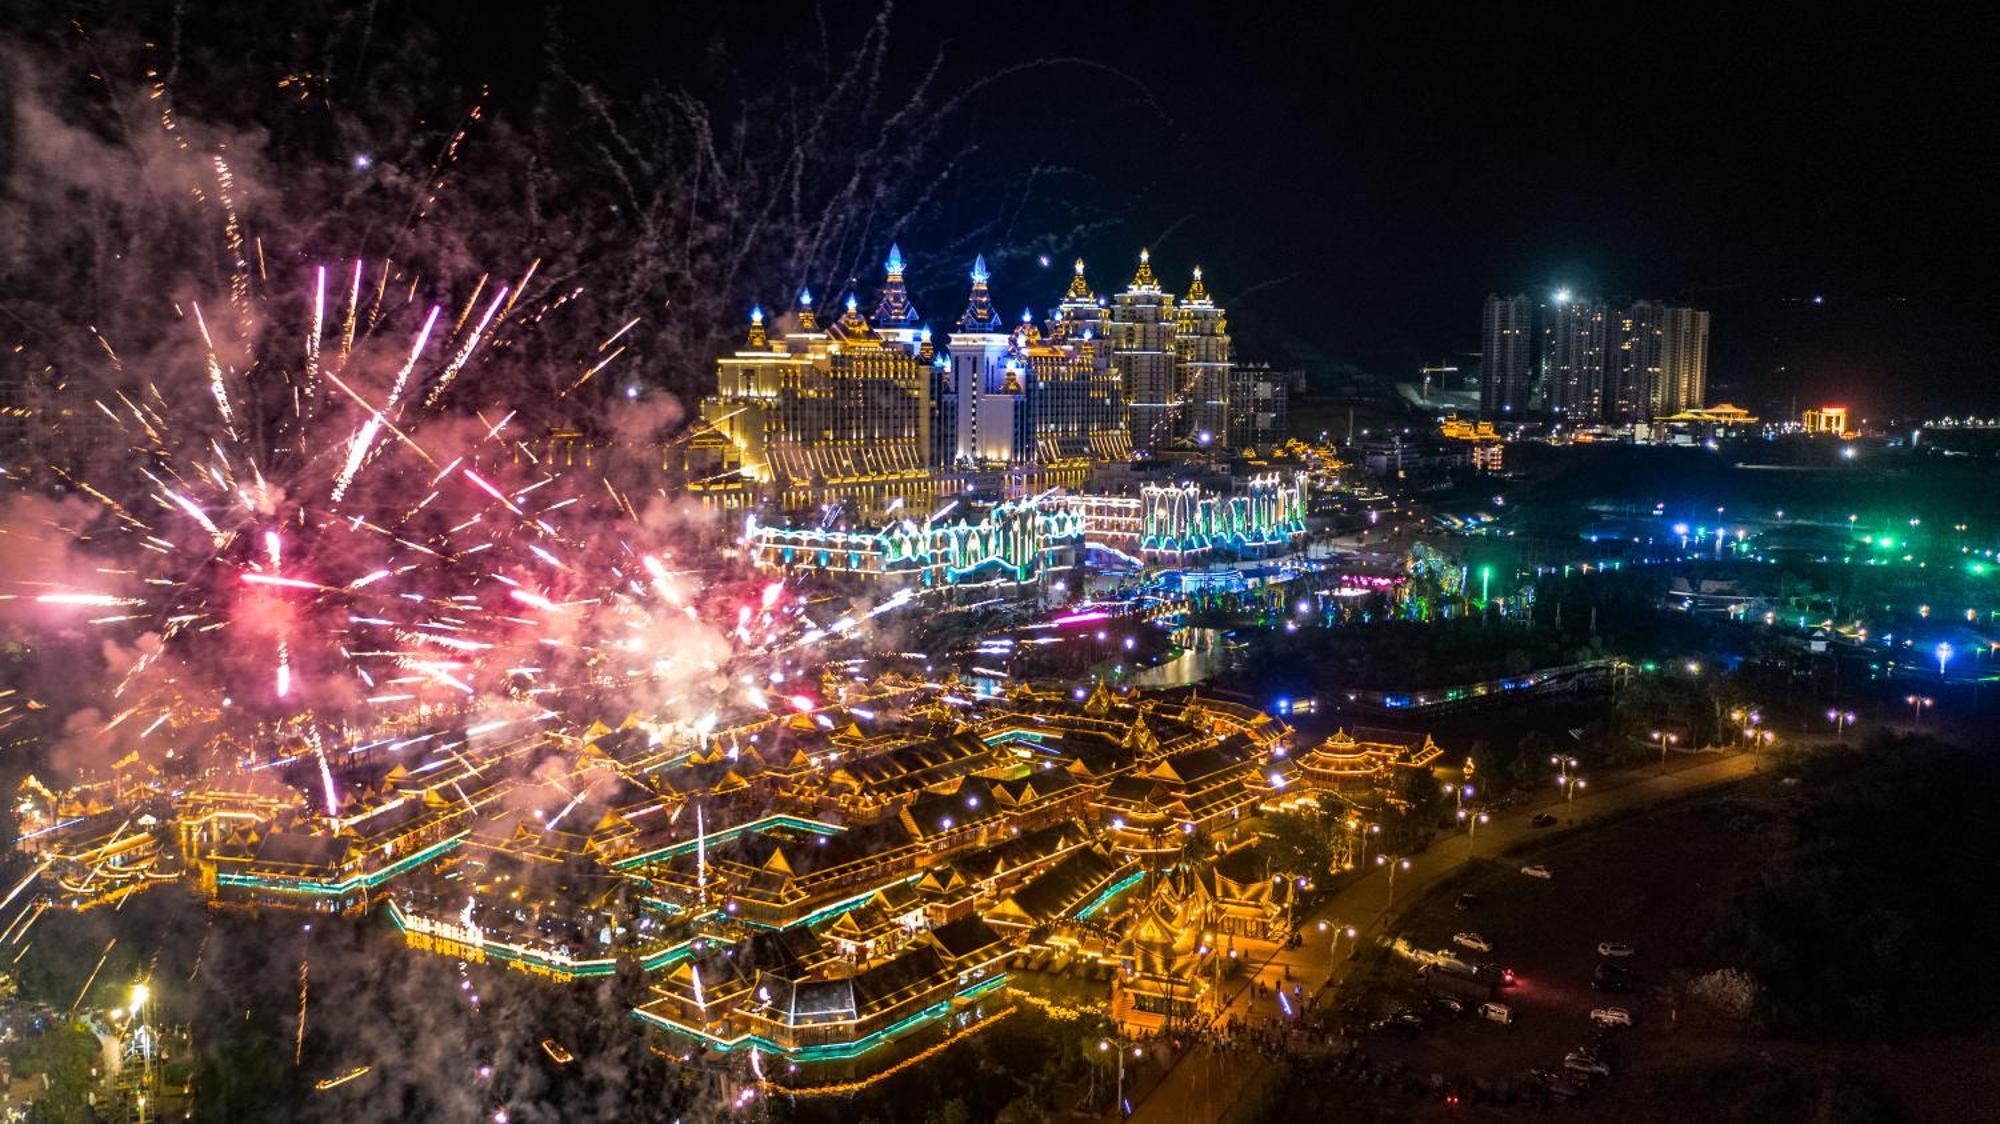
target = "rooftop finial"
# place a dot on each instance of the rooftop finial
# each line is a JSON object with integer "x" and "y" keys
{"x": 807, "y": 321}
{"x": 1197, "y": 291}
{"x": 1079, "y": 289}
{"x": 1144, "y": 279}
{"x": 980, "y": 315}
{"x": 756, "y": 314}
{"x": 893, "y": 309}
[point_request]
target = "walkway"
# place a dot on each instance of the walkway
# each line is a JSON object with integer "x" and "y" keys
{"x": 1202, "y": 1084}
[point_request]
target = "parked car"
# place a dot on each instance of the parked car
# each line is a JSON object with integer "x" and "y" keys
{"x": 1447, "y": 1006}
{"x": 1495, "y": 973}
{"x": 1403, "y": 1024}
{"x": 1581, "y": 1062}
{"x": 1448, "y": 959}
{"x": 1473, "y": 941}
{"x": 1497, "y": 1012}
{"x": 1537, "y": 870}
{"x": 1465, "y": 902}
{"x": 1613, "y": 948}
{"x": 1542, "y": 820}
{"x": 1611, "y": 976}
{"x": 1611, "y": 1016}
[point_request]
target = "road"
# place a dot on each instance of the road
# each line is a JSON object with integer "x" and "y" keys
{"x": 1202, "y": 1084}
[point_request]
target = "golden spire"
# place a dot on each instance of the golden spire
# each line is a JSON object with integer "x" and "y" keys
{"x": 758, "y": 339}
{"x": 1079, "y": 290}
{"x": 851, "y": 322}
{"x": 807, "y": 321}
{"x": 1197, "y": 291}
{"x": 1144, "y": 279}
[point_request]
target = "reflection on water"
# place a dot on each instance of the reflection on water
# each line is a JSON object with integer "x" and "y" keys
{"x": 1204, "y": 653}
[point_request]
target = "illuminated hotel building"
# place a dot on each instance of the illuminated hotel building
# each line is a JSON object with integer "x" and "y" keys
{"x": 1077, "y": 398}
{"x": 1635, "y": 368}
{"x": 829, "y": 404}
{"x": 987, "y": 392}
{"x": 1573, "y": 360}
{"x": 866, "y": 410}
{"x": 1141, "y": 332}
{"x": 1507, "y": 331}
{"x": 1683, "y": 382}
{"x": 1202, "y": 361}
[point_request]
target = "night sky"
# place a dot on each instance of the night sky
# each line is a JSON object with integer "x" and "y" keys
{"x": 1355, "y": 181}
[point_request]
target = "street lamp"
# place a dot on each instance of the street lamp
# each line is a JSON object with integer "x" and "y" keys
{"x": 1365, "y": 831}
{"x": 1841, "y": 720}
{"x": 1917, "y": 705}
{"x": 1665, "y": 739}
{"x": 1471, "y": 820}
{"x": 1333, "y": 948}
{"x": 1570, "y": 783}
{"x": 1394, "y": 865}
{"x": 1104, "y": 1047}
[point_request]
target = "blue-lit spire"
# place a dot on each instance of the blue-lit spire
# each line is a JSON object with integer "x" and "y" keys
{"x": 807, "y": 321}
{"x": 980, "y": 315}
{"x": 757, "y": 336}
{"x": 893, "y": 309}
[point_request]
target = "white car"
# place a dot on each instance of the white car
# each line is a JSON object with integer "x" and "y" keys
{"x": 1537, "y": 871}
{"x": 1611, "y": 1016}
{"x": 1613, "y": 948}
{"x": 1473, "y": 941}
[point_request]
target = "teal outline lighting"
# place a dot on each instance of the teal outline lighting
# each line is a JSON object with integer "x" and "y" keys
{"x": 672, "y": 850}
{"x": 1111, "y": 891}
{"x": 345, "y": 886}
{"x": 831, "y": 1051}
